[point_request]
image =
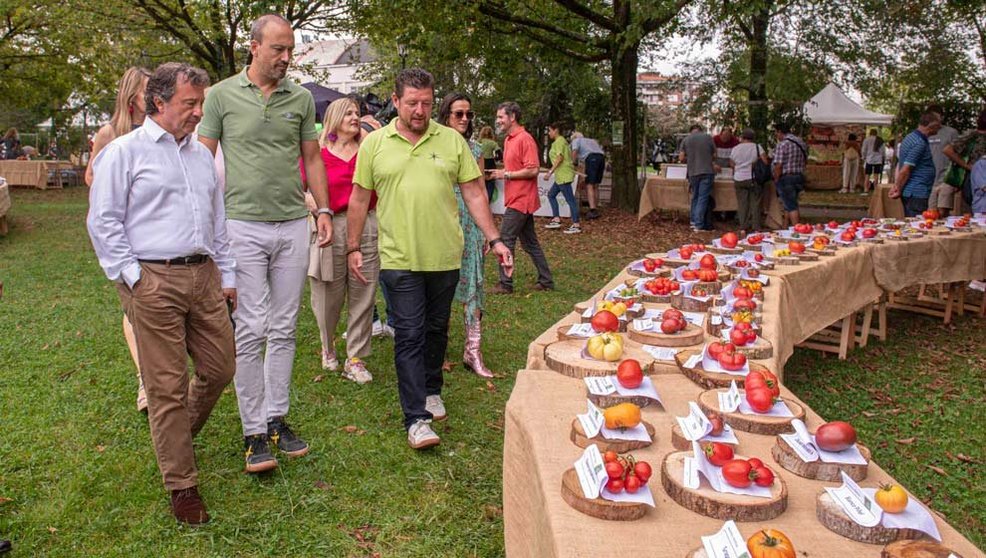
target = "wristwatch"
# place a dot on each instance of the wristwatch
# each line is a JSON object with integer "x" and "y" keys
{"x": 324, "y": 211}
{"x": 496, "y": 241}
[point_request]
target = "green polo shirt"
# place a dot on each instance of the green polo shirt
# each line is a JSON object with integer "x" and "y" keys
{"x": 565, "y": 173}
{"x": 417, "y": 214}
{"x": 261, "y": 142}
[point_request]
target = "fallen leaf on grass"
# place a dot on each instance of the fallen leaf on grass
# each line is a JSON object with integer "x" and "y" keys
{"x": 868, "y": 414}
{"x": 490, "y": 386}
{"x": 938, "y": 470}
{"x": 100, "y": 448}
{"x": 491, "y": 512}
{"x": 965, "y": 458}
{"x": 353, "y": 429}
{"x": 4, "y": 499}
{"x": 52, "y": 530}
{"x": 906, "y": 441}
{"x": 318, "y": 378}
{"x": 322, "y": 485}
{"x": 448, "y": 365}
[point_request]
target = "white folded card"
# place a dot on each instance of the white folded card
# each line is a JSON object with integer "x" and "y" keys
{"x": 730, "y": 399}
{"x": 726, "y": 543}
{"x": 661, "y": 353}
{"x": 581, "y": 330}
{"x": 592, "y": 420}
{"x": 608, "y": 385}
{"x": 637, "y": 433}
{"x": 779, "y": 409}
{"x": 807, "y": 449}
{"x": 696, "y": 426}
{"x": 591, "y": 471}
{"x": 861, "y": 507}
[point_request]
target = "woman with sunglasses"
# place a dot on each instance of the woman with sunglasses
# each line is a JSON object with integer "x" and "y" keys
{"x": 456, "y": 113}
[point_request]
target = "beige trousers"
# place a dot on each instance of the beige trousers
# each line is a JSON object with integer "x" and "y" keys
{"x": 332, "y": 284}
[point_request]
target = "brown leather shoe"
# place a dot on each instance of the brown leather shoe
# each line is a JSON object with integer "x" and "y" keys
{"x": 188, "y": 507}
{"x": 540, "y": 287}
{"x": 500, "y": 289}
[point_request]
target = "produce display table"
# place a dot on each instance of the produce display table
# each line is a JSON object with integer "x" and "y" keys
{"x": 824, "y": 177}
{"x": 32, "y": 173}
{"x": 4, "y": 205}
{"x": 800, "y": 301}
{"x": 883, "y": 206}
{"x": 672, "y": 195}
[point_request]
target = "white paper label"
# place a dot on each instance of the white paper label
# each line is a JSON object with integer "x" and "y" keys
{"x": 694, "y": 318}
{"x": 645, "y": 389}
{"x": 800, "y": 442}
{"x": 643, "y": 324}
{"x": 778, "y": 409}
{"x": 690, "y": 474}
{"x": 637, "y": 433}
{"x": 581, "y": 330}
{"x": 591, "y": 471}
{"x": 730, "y": 399}
{"x": 858, "y": 506}
{"x": 726, "y": 543}
{"x": 695, "y": 425}
{"x": 661, "y": 353}
{"x": 600, "y": 385}
{"x": 693, "y": 361}
{"x": 592, "y": 420}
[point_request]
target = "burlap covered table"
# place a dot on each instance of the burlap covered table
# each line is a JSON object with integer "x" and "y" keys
{"x": 25, "y": 173}
{"x": 4, "y": 205}
{"x": 537, "y": 450}
{"x": 672, "y": 195}
{"x": 800, "y": 301}
{"x": 882, "y": 205}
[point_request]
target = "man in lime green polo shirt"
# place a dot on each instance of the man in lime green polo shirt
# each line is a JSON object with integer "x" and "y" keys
{"x": 412, "y": 164}
{"x": 265, "y": 122}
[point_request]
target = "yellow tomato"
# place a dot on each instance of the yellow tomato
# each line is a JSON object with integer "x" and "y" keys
{"x": 606, "y": 346}
{"x": 619, "y": 309}
{"x": 892, "y": 498}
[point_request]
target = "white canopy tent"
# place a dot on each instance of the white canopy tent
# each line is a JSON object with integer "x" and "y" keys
{"x": 831, "y": 107}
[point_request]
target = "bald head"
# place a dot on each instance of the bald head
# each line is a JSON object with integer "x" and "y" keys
{"x": 257, "y": 29}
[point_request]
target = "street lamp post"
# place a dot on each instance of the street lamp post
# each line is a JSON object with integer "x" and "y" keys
{"x": 402, "y": 52}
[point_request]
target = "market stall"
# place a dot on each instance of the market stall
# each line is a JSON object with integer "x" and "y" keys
{"x": 833, "y": 116}
{"x": 804, "y": 292}
{"x": 670, "y": 193}
{"x": 33, "y": 174}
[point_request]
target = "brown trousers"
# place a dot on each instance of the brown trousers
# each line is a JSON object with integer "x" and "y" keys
{"x": 179, "y": 311}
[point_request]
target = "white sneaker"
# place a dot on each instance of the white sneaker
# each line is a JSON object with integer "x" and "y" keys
{"x": 435, "y": 406}
{"x": 421, "y": 436}
{"x": 387, "y": 331}
{"x": 377, "y": 328}
{"x": 355, "y": 370}
{"x": 574, "y": 229}
{"x": 554, "y": 223}
{"x": 329, "y": 361}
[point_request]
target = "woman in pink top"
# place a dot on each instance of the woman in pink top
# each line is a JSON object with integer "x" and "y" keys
{"x": 328, "y": 273}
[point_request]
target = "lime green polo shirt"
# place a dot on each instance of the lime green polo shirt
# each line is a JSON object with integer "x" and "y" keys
{"x": 565, "y": 173}
{"x": 261, "y": 142}
{"x": 417, "y": 214}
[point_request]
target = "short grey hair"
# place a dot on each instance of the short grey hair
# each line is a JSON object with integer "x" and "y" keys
{"x": 511, "y": 108}
{"x": 164, "y": 81}
{"x": 257, "y": 28}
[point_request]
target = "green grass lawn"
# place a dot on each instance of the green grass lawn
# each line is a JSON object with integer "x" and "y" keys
{"x": 78, "y": 475}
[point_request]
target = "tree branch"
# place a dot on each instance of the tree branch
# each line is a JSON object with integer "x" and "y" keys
{"x": 652, "y": 24}
{"x": 499, "y": 12}
{"x": 584, "y": 11}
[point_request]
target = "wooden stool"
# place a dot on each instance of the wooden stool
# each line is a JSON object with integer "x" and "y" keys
{"x": 880, "y": 306}
{"x": 837, "y": 338}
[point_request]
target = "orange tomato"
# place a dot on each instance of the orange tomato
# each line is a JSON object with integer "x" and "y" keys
{"x": 770, "y": 543}
{"x": 892, "y": 498}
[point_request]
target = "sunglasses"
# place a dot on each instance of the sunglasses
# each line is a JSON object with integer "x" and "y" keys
{"x": 467, "y": 114}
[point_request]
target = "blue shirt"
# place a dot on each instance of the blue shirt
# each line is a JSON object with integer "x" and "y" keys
{"x": 916, "y": 153}
{"x": 583, "y": 147}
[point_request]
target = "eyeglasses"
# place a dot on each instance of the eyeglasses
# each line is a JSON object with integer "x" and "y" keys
{"x": 467, "y": 114}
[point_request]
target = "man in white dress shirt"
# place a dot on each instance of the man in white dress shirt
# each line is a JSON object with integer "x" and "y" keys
{"x": 158, "y": 224}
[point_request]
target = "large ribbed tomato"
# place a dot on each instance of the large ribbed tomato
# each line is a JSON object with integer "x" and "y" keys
{"x": 770, "y": 543}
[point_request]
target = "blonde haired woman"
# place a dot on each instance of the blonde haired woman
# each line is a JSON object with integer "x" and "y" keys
{"x": 127, "y": 114}
{"x": 328, "y": 272}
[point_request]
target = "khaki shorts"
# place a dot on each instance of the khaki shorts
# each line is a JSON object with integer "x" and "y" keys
{"x": 942, "y": 196}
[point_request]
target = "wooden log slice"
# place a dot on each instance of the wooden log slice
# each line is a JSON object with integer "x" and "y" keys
{"x": 697, "y": 553}
{"x": 873, "y": 240}
{"x": 708, "y": 401}
{"x": 688, "y": 304}
{"x": 659, "y": 299}
{"x": 579, "y": 438}
{"x": 723, "y": 250}
{"x": 920, "y": 548}
{"x": 807, "y": 256}
{"x": 563, "y": 333}
{"x": 565, "y": 357}
{"x": 830, "y": 515}
{"x": 662, "y": 271}
{"x": 691, "y": 335}
{"x": 669, "y": 262}
{"x": 823, "y": 252}
{"x": 571, "y": 492}
{"x": 759, "y": 350}
{"x": 738, "y": 270}
{"x": 710, "y": 380}
{"x": 719, "y": 505}
{"x": 783, "y": 260}
{"x": 681, "y": 443}
{"x": 818, "y": 470}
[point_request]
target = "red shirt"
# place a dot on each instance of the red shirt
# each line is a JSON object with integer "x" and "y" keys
{"x": 339, "y": 174}
{"x": 520, "y": 152}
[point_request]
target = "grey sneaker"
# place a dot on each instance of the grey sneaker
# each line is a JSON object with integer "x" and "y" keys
{"x": 258, "y": 456}
{"x": 554, "y": 223}
{"x": 329, "y": 360}
{"x": 286, "y": 441}
{"x": 355, "y": 370}
{"x": 574, "y": 229}
{"x": 421, "y": 436}
{"x": 435, "y": 406}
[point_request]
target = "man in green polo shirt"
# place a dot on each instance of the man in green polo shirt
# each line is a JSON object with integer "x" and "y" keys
{"x": 264, "y": 123}
{"x": 412, "y": 164}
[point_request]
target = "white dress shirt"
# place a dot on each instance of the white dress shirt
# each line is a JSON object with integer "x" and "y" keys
{"x": 154, "y": 199}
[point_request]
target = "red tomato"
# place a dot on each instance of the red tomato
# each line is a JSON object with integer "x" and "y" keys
{"x": 763, "y": 476}
{"x": 742, "y": 292}
{"x": 729, "y": 240}
{"x": 744, "y": 304}
{"x": 755, "y": 462}
{"x": 614, "y": 485}
{"x": 739, "y": 338}
{"x": 772, "y": 382}
{"x": 614, "y": 470}
{"x": 835, "y": 436}
{"x": 718, "y": 454}
{"x": 758, "y": 257}
{"x": 737, "y": 473}
{"x": 716, "y": 348}
{"x": 754, "y": 380}
{"x": 673, "y": 313}
{"x": 643, "y": 471}
{"x": 632, "y": 484}
{"x": 708, "y": 261}
{"x": 671, "y": 325}
{"x": 717, "y": 425}
{"x": 605, "y": 321}
{"x": 685, "y": 253}
{"x": 610, "y": 456}
{"x": 760, "y": 399}
{"x": 650, "y": 265}
{"x": 629, "y": 374}
{"x": 731, "y": 360}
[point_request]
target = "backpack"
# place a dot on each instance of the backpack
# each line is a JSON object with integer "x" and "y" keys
{"x": 761, "y": 170}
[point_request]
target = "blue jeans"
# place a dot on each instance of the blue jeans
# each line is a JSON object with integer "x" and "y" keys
{"x": 701, "y": 189}
{"x": 914, "y": 206}
{"x": 566, "y": 190}
{"x": 420, "y": 305}
{"x": 789, "y": 188}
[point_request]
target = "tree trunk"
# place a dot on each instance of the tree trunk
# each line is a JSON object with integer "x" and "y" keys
{"x": 623, "y": 105}
{"x": 757, "y": 103}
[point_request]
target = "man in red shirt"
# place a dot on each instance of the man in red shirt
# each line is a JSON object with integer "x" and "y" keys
{"x": 519, "y": 173}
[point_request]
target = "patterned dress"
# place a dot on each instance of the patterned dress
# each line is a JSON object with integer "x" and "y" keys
{"x": 470, "y": 288}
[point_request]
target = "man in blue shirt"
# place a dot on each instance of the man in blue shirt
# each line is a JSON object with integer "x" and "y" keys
{"x": 916, "y": 166}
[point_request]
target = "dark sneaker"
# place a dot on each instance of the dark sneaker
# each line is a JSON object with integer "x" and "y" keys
{"x": 258, "y": 455}
{"x": 540, "y": 287}
{"x": 188, "y": 507}
{"x": 284, "y": 439}
{"x": 500, "y": 289}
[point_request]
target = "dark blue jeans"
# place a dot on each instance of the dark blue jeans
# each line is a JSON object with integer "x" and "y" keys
{"x": 420, "y": 305}
{"x": 701, "y": 189}
{"x": 566, "y": 190}
{"x": 914, "y": 206}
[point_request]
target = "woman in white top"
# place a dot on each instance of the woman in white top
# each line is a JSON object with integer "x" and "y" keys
{"x": 748, "y": 191}
{"x": 873, "y": 157}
